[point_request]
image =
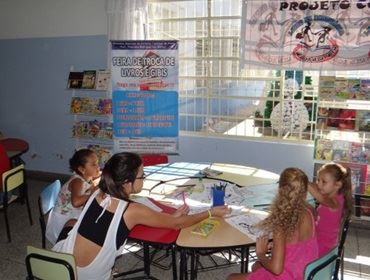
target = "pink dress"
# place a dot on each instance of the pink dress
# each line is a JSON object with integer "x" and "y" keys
{"x": 328, "y": 226}
{"x": 297, "y": 256}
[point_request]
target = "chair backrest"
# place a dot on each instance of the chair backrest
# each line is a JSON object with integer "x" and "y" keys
{"x": 46, "y": 202}
{"x": 342, "y": 240}
{"x": 48, "y": 197}
{"x": 46, "y": 264}
{"x": 322, "y": 268}
{"x": 13, "y": 178}
{"x": 153, "y": 159}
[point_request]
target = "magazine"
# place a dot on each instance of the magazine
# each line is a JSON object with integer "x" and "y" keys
{"x": 88, "y": 81}
{"x": 102, "y": 79}
{"x": 323, "y": 149}
{"x": 75, "y": 79}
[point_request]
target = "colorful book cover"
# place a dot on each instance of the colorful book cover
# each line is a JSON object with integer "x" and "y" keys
{"x": 205, "y": 227}
{"x": 88, "y": 81}
{"x": 75, "y": 79}
{"x": 354, "y": 88}
{"x": 347, "y": 119}
{"x": 357, "y": 152}
{"x": 341, "y": 150}
{"x": 363, "y": 121}
{"x": 102, "y": 79}
{"x": 327, "y": 87}
{"x": 323, "y": 149}
{"x": 93, "y": 130}
{"x": 365, "y": 89}
{"x": 358, "y": 176}
{"x": 333, "y": 117}
{"x": 91, "y": 106}
{"x": 341, "y": 88}
{"x": 103, "y": 152}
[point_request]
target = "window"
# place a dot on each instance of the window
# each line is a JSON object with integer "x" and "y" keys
{"x": 216, "y": 96}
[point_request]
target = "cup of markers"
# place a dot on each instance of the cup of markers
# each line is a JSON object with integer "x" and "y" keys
{"x": 218, "y": 194}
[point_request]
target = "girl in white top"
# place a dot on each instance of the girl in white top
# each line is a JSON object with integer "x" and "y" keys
{"x": 74, "y": 193}
{"x": 104, "y": 225}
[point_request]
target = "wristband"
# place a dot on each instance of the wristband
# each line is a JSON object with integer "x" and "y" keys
{"x": 209, "y": 214}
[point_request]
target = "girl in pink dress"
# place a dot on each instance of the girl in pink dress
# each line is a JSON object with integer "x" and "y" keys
{"x": 292, "y": 226}
{"x": 333, "y": 191}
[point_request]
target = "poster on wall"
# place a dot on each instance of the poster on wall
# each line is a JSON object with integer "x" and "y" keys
{"x": 306, "y": 35}
{"x": 145, "y": 96}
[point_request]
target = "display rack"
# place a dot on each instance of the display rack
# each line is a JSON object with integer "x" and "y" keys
{"x": 342, "y": 133}
{"x": 91, "y": 107}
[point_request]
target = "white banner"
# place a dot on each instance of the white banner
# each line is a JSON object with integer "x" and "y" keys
{"x": 317, "y": 35}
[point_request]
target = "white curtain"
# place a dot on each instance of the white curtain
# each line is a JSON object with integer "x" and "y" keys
{"x": 127, "y": 19}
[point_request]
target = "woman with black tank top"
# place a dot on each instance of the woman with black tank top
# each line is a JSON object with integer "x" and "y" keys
{"x": 104, "y": 225}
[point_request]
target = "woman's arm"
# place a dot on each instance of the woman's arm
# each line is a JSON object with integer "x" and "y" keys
{"x": 78, "y": 197}
{"x": 137, "y": 213}
{"x": 275, "y": 264}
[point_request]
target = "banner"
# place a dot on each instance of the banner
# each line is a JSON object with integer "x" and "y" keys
{"x": 145, "y": 96}
{"x": 306, "y": 35}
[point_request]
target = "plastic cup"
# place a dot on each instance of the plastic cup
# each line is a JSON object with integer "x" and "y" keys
{"x": 218, "y": 197}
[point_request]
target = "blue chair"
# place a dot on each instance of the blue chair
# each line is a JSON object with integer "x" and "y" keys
{"x": 46, "y": 202}
{"x": 322, "y": 268}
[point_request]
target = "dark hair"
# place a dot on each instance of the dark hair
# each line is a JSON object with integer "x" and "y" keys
{"x": 341, "y": 174}
{"x": 120, "y": 168}
{"x": 79, "y": 159}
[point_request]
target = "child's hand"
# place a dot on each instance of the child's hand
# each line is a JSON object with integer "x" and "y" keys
{"x": 220, "y": 211}
{"x": 262, "y": 246}
{"x": 181, "y": 211}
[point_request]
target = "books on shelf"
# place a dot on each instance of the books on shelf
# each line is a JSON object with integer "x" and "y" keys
{"x": 75, "y": 79}
{"x": 91, "y": 106}
{"x": 363, "y": 121}
{"x": 333, "y": 118}
{"x": 333, "y": 88}
{"x": 93, "y": 130}
{"x": 88, "y": 81}
{"x": 102, "y": 79}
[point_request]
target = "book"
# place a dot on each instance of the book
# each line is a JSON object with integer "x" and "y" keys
{"x": 88, "y": 80}
{"x": 91, "y": 106}
{"x": 347, "y": 119}
{"x": 102, "y": 79}
{"x": 75, "y": 79}
{"x": 365, "y": 89}
{"x": 205, "y": 227}
{"x": 354, "y": 89}
{"x": 341, "y": 150}
{"x": 358, "y": 176}
{"x": 323, "y": 149}
{"x": 363, "y": 121}
{"x": 327, "y": 87}
{"x": 93, "y": 130}
{"x": 341, "y": 88}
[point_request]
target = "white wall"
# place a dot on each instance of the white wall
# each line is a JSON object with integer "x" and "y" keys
{"x": 51, "y": 18}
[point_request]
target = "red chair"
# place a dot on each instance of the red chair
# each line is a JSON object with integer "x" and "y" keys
{"x": 4, "y": 163}
{"x": 153, "y": 159}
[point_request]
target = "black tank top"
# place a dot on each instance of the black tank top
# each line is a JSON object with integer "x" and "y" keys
{"x": 96, "y": 232}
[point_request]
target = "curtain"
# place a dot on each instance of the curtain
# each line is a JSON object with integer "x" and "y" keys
{"x": 127, "y": 19}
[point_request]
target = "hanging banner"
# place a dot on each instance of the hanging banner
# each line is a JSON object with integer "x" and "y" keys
{"x": 145, "y": 96}
{"x": 304, "y": 35}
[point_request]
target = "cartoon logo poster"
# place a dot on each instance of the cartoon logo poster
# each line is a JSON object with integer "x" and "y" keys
{"x": 317, "y": 35}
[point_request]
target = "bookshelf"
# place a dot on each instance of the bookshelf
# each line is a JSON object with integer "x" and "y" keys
{"x": 91, "y": 107}
{"x": 342, "y": 133}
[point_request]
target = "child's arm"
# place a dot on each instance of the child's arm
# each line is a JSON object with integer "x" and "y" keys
{"x": 275, "y": 264}
{"x": 327, "y": 201}
{"x": 78, "y": 197}
{"x": 137, "y": 213}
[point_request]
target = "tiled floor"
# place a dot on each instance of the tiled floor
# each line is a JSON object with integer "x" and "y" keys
{"x": 357, "y": 247}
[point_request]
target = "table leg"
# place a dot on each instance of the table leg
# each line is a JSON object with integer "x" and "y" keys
{"x": 174, "y": 266}
{"x": 146, "y": 259}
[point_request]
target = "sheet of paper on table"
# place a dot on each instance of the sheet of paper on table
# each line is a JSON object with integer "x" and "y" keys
{"x": 246, "y": 223}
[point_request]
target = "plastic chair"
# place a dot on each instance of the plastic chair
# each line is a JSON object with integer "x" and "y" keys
{"x": 14, "y": 179}
{"x": 342, "y": 240}
{"x": 46, "y": 264}
{"x": 153, "y": 159}
{"x": 322, "y": 268}
{"x": 46, "y": 202}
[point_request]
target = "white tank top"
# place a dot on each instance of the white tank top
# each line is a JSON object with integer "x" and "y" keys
{"x": 101, "y": 267}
